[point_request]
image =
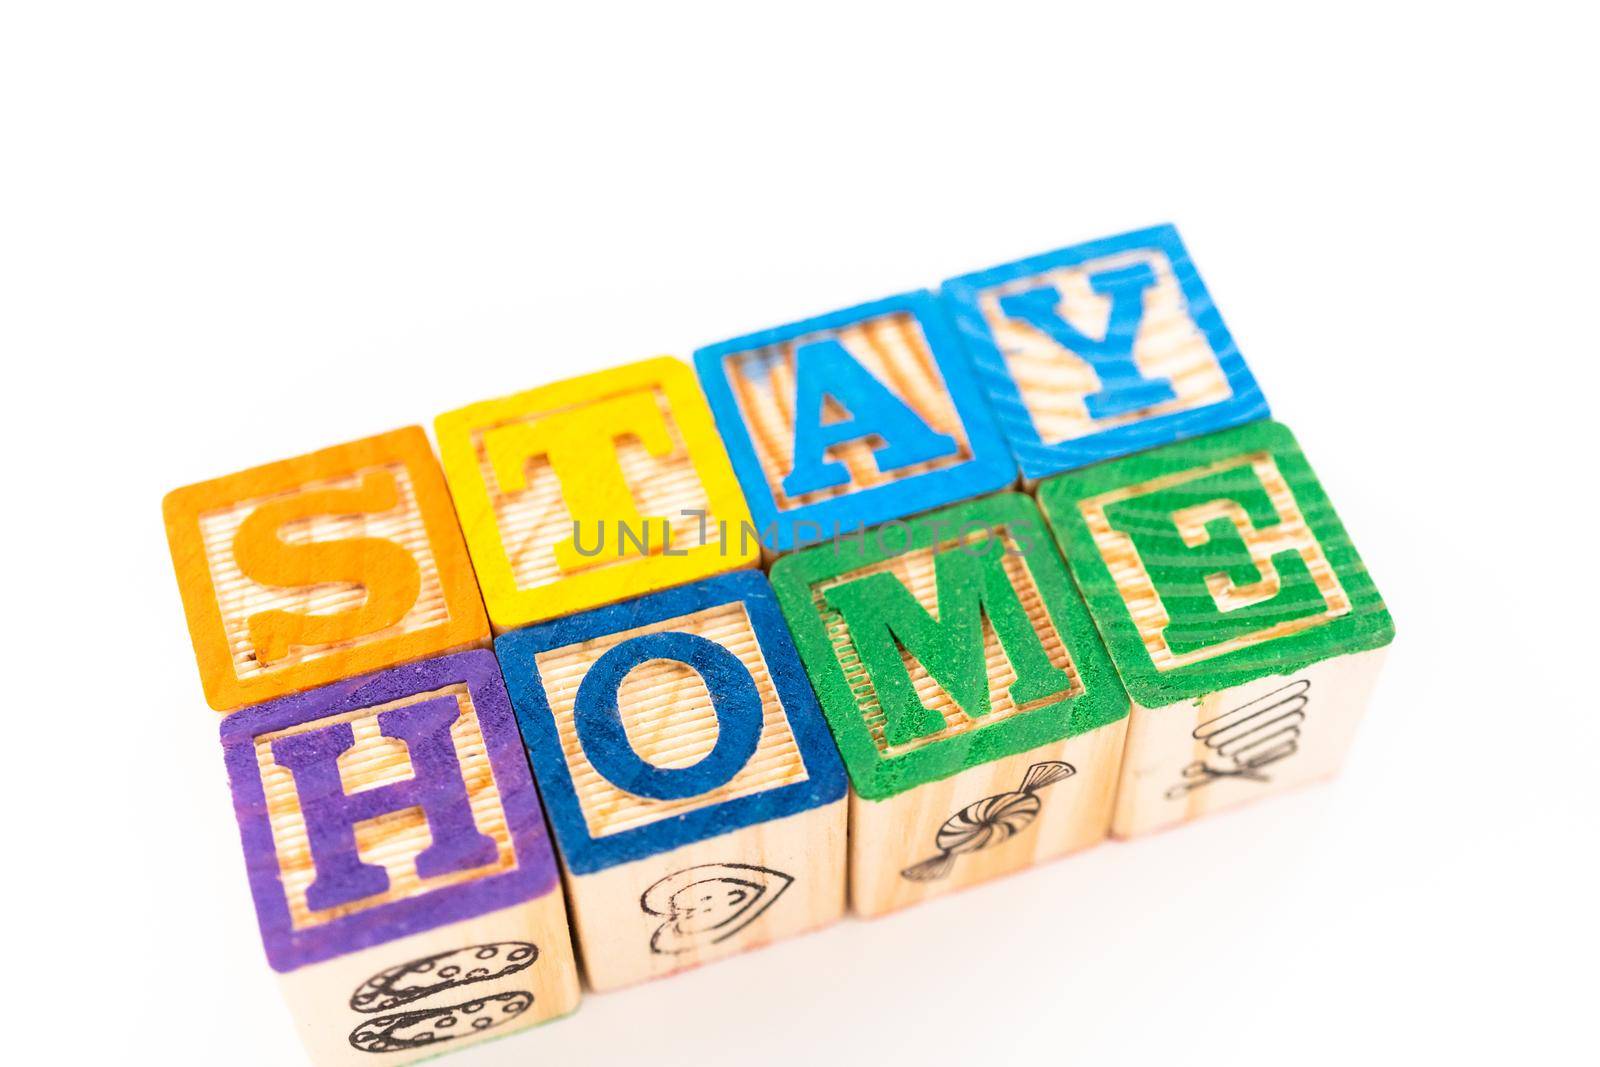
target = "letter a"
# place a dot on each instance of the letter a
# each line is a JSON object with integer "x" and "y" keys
{"x": 823, "y": 370}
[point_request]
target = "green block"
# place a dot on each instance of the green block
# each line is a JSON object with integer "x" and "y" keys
{"x": 858, "y": 626}
{"x": 1160, "y": 543}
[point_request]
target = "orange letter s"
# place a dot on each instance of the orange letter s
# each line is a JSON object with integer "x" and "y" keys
{"x": 385, "y": 570}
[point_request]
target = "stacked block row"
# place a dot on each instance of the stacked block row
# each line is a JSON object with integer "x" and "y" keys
{"x": 1037, "y": 570}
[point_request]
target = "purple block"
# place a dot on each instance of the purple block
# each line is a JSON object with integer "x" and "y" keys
{"x": 437, "y": 787}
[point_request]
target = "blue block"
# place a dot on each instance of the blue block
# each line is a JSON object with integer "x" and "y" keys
{"x": 967, "y": 457}
{"x": 1011, "y": 312}
{"x": 598, "y": 728}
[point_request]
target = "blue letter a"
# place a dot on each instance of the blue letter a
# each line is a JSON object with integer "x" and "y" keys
{"x": 1123, "y": 388}
{"x": 824, "y": 369}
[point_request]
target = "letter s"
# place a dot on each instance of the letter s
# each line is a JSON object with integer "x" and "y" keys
{"x": 385, "y": 570}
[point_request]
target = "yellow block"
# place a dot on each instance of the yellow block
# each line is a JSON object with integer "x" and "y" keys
{"x": 593, "y": 490}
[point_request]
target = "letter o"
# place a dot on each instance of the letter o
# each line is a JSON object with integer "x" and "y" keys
{"x": 734, "y": 700}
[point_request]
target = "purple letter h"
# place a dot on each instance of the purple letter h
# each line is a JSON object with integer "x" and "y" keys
{"x": 331, "y": 814}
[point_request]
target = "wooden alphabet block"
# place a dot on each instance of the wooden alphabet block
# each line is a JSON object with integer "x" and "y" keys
{"x": 696, "y": 798}
{"x": 1102, "y": 349}
{"x": 592, "y": 490}
{"x": 978, "y": 714}
{"x": 853, "y": 418}
{"x": 317, "y": 568}
{"x": 1243, "y": 623}
{"x": 403, "y": 879}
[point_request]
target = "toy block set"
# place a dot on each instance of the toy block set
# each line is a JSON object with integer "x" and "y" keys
{"x": 655, "y": 665}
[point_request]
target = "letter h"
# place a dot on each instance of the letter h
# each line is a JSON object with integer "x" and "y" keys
{"x": 331, "y": 814}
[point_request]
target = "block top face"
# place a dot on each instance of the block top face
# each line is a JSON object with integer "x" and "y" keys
{"x": 1214, "y": 562}
{"x": 317, "y": 568}
{"x": 1101, "y": 349}
{"x": 383, "y": 806}
{"x": 669, "y": 719}
{"x": 593, "y": 489}
{"x": 853, "y": 418}
{"x": 946, "y": 642}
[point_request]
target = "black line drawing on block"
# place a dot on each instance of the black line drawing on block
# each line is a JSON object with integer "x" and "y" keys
{"x": 989, "y": 821}
{"x": 1248, "y": 738}
{"x": 423, "y": 977}
{"x": 709, "y": 903}
{"x": 434, "y": 1026}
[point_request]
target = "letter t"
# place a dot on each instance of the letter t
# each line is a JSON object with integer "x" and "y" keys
{"x": 581, "y": 446}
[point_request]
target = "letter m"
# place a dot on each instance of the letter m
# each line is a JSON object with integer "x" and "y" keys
{"x": 887, "y": 624}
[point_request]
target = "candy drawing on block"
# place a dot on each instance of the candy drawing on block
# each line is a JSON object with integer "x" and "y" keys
{"x": 1101, "y": 349}
{"x": 696, "y": 798}
{"x": 592, "y": 490}
{"x": 312, "y": 569}
{"x": 1240, "y": 617}
{"x": 853, "y": 418}
{"x": 978, "y": 714}
{"x": 403, "y": 879}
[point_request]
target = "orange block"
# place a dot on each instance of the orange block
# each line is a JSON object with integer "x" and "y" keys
{"x": 313, "y": 569}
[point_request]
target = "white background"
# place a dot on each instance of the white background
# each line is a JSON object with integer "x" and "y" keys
{"x": 236, "y": 233}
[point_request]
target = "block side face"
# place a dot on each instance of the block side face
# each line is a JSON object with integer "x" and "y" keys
{"x": 984, "y": 823}
{"x": 590, "y": 490}
{"x": 945, "y": 643}
{"x": 438, "y": 991}
{"x": 1213, "y": 562}
{"x": 311, "y": 569}
{"x": 851, "y": 418}
{"x": 668, "y": 719}
{"x": 707, "y": 900}
{"x": 1193, "y": 758}
{"x": 1101, "y": 349}
{"x": 383, "y": 806}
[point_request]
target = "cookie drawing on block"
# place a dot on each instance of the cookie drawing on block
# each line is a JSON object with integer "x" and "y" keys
{"x": 709, "y": 903}
{"x": 401, "y": 985}
{"x": 427, "y": 1027}
{"x": 989, "y": 822}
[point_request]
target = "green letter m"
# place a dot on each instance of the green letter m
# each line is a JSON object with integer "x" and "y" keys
{"x": 884, "y": 617}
